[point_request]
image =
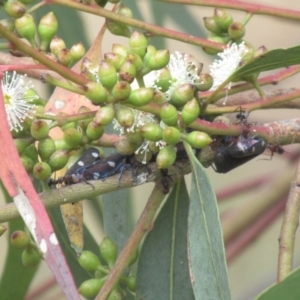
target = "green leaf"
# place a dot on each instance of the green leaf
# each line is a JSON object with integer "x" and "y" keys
{"x": 13, "y": 265}
{"x": 288, "y": 289}
{"x": 163, "y": 265}
{"x": 274, "y": 59}
{"x": 206, "y": 249}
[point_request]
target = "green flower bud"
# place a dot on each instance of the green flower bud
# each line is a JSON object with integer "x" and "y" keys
{"x": 159, "y": 97}
{"x": 115, "y": 295}
{"x": 135, "y": 60}
{"x": 47, "y": 29}
{"x": 217, "y": 39}
{"x": 171, "y": 135}
{"x": 169, "y": 114}
{"x": 45, "y": 148}
{"x": 144, "y": 157}
{"x": 104, "y": 115}
{"x": 30, "y": 257}
{"x": 153, "y": 147}
{"x": 14, "y": 9}
{"x": 182, "y": 94}
{"x": 114, "y": 59}
{"x": 130, "y": 282}
{"x": 164, "y": 79}
{"x": 151, "y": 132}
{"x": 140, "y": 97}
{"x": 94, "y": 131}
{"x": 27, "y": 163}
{"x": 198, "y": 140}
{"x": 222, "y": 18}
{"x": 2, "y": 229}
{"x": 190, "y": 112}
{"x": 20, "y": 239}
{"x": 204, "y": 82}
{"x": 107, "y": 74}
{"x": 125, "y": 117}
{"x": 72, "y": 137}
{"x": 58, "y": 160}
{"x": 211, "y": 25}
{"x": 8, "y": 24}
{"x": 166, "y": 157}
{"x": 109, "y": 251}
{"x": 42, "y": 171}
{"x": 26, "y": 28}
{"x": 95, "y": 92}
{"x": 56, "y": 45}
{"x": 77, "y": 51}
{"x": 118, "y": 28}
{"x": 39, "y": 129}
{"x": 127, "y": 72}
{"x": 89, "y": 261}
{"x": 91, "y": 287}
{"x": 120, "y": 49}
{"x": 27, "y": 1}
{"x": 125, "y": 147}
{"x": 64, "y": 57}
{"x": 134, "y": 137}
{"x": 22, "y": 143}
{"x": 37, "y": 100}
{"x": 123, "y": 10}
{"x": 31, "y": 152}
{"x": 68, "y": 125}
{"x": 236, "y": 30}
{"x": 121, "y": 91}
{"x": 138, "y": 43}
{"x": 159, "y": 60}
{"x": 84, "y": 122}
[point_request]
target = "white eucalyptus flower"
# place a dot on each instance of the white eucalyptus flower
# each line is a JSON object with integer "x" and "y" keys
{"x": 17, "y": 105}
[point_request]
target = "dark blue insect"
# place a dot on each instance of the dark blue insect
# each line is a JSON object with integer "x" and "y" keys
{"x": 235, "y": 151}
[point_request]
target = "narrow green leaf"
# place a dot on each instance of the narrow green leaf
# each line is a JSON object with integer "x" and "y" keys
{"x": 288, "y": 289}
{"x": 274, "y": 59}
{"x": 206, "y": 249}
{"x": 163, "y": 265}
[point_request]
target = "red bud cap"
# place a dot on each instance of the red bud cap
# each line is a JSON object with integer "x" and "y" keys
{"x": 91, "y": 287}
{"x": 47, "y": 29}
{"x": 104, "y": 115}
{"x": 190, "y": 112}
{"x": 45, "y": 148}
{"x": 151, "y": 132}
{"x": 236, "y": 30}
{"x": 42, "y": 171}
{"x": 114, "y": 59}
{"x": 169, "y": 114}
{"x": 20, "y": 239}
{"x": 30, "y": 257}
{"x": 198, "y": 140}
{"x": 211, "y": 25}
{"x": 89, "y": 261}
{"x": 26, "y": 28}
{"x": 171, "y": 135}
{"x": 166, "y": 157}
{"x": 121, "y": 91}
{"x": 107, "y": 74}
{"x": 58, "y": 160}
{"x": 204, "y": 82}
{"x": 140, "y": 97}
{"x": 182, "y": 94}
{"x": 222, "y": 18}
{"x": 94, "y": 131}
{"x": 109, "y": 251}
{"x": 72, "y": 137}
{"x": 39, "y": 129}
{"x": 125, "y": 117}
{"x": 138, "y": 43}
{"x": 127, "y": 71}
{"x": 95, "y": 92}
{"x": 56, "y": 45}
{"x": 14, "y": 9}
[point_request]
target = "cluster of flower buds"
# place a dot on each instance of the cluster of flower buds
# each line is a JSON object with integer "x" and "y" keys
{"x": 31, "y": 255}
{"x": 91, "y": 263}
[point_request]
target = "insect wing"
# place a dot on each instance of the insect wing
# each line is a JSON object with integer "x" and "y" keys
{"x": 88, "y": 157}
{"x": 246, "y": 146}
